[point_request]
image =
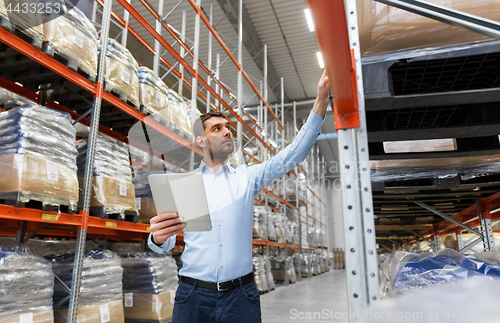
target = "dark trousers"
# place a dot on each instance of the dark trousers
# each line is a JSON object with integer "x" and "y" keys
{"x": 202, "y": 305}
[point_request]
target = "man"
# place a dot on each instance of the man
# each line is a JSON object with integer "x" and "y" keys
{"x": 217, "y": 283}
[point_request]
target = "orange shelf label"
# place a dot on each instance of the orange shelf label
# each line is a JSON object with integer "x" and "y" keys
{"x": 51, "y": 217}
{"x": 111, "y": 224}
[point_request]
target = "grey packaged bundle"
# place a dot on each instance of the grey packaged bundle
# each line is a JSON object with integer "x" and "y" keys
{"x": 101, "y": 277}
{"x": 259, "y": 270}
{"x": 110, "y": 159}
{"x": 38, "y": 131}
{"x": 38, "y": 156}
{"x": 26, "y": 282}
{"x": 153, "y": 93}
{"x": 259, "y": 223}
{"x": 148, "y": 273}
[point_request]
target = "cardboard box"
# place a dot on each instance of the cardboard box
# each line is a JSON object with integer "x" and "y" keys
{"x": 92, "y": 314}
{"x": 73, "y": 41}
{"x": 112, "y": 193}
{"x": 30, "y": 174}
{"x": 43, "y": 317}
{"x": 149, "y": 306}
{"x": 147, "y": 210}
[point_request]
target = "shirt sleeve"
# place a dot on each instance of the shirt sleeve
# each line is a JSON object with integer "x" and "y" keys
{"x": 264, "y": 174}
{"x": 165, "y": 247}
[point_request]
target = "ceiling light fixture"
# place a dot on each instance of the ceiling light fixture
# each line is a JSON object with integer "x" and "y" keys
{"x": 309, "y": 19}
{"x": 320, "y": 60}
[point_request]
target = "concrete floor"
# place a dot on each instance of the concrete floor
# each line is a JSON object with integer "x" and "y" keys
{"x": 317, "y": 299}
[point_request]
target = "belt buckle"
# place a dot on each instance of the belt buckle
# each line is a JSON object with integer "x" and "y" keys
{"x": 219, "y": 288}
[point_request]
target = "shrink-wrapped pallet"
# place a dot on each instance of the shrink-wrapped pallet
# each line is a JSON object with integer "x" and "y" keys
{"x": 179, "y": 117}
{"x": 73, "y": 37}
{"x": 100, "y": 289}
{"x": 153, "y": 94}
{"x": 259, "y": 223}
{"x": 38, "y": 157}
{"x": 26, "y": 286}
{"x": 14, "y": 16}
{"x": 259, "y": 270}
{"x": 121, "y": 75}
{"x": 112, "y": 187}
{"x": 149, "y": 285}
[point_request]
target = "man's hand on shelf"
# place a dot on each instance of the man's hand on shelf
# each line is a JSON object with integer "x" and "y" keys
{"x": 165, "y": 225}
{"x": 322, "y": 99}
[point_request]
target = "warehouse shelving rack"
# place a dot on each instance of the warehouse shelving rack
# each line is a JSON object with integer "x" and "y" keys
{"x": 21, "y": 221}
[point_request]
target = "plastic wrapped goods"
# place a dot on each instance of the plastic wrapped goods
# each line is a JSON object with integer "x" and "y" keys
{"x": 408, "y": 271}
{"x": 179, "y": 120}
{"x": 153, "y": 93}
{"x": 10, "y": 99}
{"x": 121, "y": 72}
{"x": 259, "y": 270}
{"x": 279, "y": 225}
{"x": 112, "y": 186}
{"x": 100, "y": 290}
{"x": 295, "y": 232}
{"x": 271, "y": 231}
{"x": 270, "y": 278}
{"x": 26, "y": 285}
{"x": 143, "y": 196}
{"x": 73, "y": 37}
{"x": 14, "y": 17}
{"x": 385, "y": 29}
{"x": 38, "y": 156}
{"x": 148, "y": 273}
{"x": 149, "y": 283}
{"x": 259, "y": 223}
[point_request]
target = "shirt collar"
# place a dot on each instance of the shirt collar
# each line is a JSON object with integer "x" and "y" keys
{"x": 227, "y": 166}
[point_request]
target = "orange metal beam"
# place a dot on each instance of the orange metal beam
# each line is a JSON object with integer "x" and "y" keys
{"x": 231, "y": 56}
{"x": 333, "y": 39}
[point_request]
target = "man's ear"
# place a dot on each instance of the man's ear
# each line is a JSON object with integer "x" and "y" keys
{"x": 201, "y": 141}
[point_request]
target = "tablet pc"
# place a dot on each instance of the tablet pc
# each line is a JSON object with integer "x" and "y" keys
{"x": 183, "y": 193}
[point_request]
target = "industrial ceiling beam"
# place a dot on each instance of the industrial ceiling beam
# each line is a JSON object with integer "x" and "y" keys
{"x": 251, "y": 41}
{"x": 449, "y": 16}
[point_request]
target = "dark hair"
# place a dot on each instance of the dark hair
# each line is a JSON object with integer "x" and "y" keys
{"x": 199, "y": 124}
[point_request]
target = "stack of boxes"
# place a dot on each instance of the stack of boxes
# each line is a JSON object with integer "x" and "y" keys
{"x": 26, "y": 287}
{"x": 149, "y": 285}
{"x": 38, "y": 157}
{"x": 143, "y": 196}
{"x": 100, "y": 298}
{"x": 73, "y": 37}
{"x": 113, "y": 194}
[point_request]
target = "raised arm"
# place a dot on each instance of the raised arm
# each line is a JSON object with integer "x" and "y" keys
{"x": 264, "y": 174}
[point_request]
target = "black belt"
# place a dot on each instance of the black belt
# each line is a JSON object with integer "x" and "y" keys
{"x": 220, "y": 286}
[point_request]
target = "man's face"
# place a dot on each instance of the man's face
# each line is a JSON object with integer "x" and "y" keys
{"x": 219, "y": 138}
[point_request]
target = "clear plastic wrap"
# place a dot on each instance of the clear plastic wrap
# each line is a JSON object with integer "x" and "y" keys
{"x": 259, "y": 270}
{"x": 271, "y": 231}
{"x": 38, "y": 156}
{"x": 149, "y": 283}
{"x": 124, "y": 247}
{"x": 112, "y": 186}
{"x": 73, "y": 37}
{"x": 269, "y": 273}
{"x": 29, "y": 24}
{"x": 465, "y": 167}
{"x": 280, "y": 223}
{"x": 404, "y": 271}
{"x": 294, "y": 231}
{"x": 179, "y": 117}
{"x": 143, "y": 196}
{"x": 121, "y": 72}
{"x": 101, "y": 277}
{"x": 38, "y": 131}
{"x": 10, "y": 99}
{"x": 153, "y": 93}
{"x": 385, "y": 29}
{"x": 112, "y": 310}
{"x": 56, "y": 247}
{"x": 292, "y": 278}
{"x": 26, "y": 284}
{"x": 259, "y": 223}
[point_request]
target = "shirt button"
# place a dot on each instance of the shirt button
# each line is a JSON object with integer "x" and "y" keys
{"x": 221, "y": 265}
{"x": 220, "y": 244}
{"x": 220, "y": 224}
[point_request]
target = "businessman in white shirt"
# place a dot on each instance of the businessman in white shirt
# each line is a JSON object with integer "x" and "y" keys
{"x": 216, "y": 279}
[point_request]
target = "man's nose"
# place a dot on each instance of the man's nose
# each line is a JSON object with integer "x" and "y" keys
{"x": 227, "y": 132}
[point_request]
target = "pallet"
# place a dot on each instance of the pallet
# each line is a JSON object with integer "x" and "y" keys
{"x": 100, "y": 212}
{"x": 39, "y": 205}
{"x": 7, "y": 25}
{"x": 67, "y": 60}
{"x": 122, "y": 96}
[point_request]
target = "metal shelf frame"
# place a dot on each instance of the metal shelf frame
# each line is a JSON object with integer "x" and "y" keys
{"x": 81, "y": 225}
